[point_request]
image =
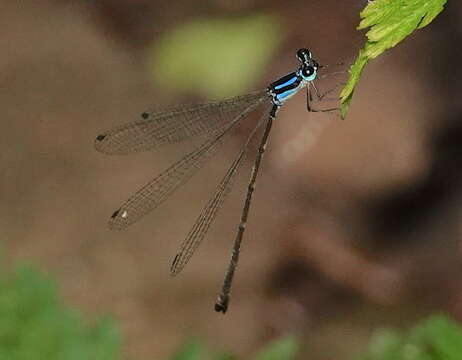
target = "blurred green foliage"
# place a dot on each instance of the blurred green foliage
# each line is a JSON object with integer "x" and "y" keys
{"x": 437, "y": 338}
{"x": 215, "y": 57}
{"x": 280, "y": 349}
{"x": 285, "y": 348}
{"x": 35, "y": 325}
{"x": 196, "y": 350}
{"x": 390, "y": 22}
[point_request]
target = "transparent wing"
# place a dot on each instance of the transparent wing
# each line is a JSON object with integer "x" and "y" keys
{"x": 161, "y": 187}
{"x": 209, "y": 212}
{"x": 173, "y": 124}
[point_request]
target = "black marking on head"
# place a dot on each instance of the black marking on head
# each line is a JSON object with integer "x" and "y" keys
{"x": 100, "y": 137}
{"x": 145, "y": 115}
{"x": 114, "y": 215}
{"x": 304, "y": 55}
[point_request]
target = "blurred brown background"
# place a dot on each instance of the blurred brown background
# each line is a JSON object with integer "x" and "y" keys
{"x": 356, "y": 224}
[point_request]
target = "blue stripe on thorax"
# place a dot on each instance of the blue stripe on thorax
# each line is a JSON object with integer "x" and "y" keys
{"x": 287, "y": 83}
{"x": 285, "y": 87}
{"x": 285, "y": 94}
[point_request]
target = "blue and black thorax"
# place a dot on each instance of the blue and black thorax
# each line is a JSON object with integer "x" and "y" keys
{"x": 288, "y": 85}
{"x": 285, "y": 87}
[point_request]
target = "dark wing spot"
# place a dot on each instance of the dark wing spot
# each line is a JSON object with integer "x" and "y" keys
{"x": 100, "y": 137}
{"x": 145, "y": 115}
{"x": 113, "y": 216}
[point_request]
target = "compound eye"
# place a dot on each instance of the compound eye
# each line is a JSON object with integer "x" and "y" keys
{"x": 307, "y": 71}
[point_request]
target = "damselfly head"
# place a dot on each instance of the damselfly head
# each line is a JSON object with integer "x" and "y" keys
{"x": 309, "y": 66}
{"x": 304, "y": 56}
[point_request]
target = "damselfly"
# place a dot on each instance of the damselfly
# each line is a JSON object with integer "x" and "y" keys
{"x": 214, "y": 121}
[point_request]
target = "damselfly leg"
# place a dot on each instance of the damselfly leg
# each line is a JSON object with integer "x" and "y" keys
{"x": 323, "y": 95}
{"x": 310, "y": 99}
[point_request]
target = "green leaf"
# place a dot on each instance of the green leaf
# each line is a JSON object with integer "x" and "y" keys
{"x": 355, "y": 72}
{"x": 390, "y": 22}
{"x": 215, "y": 57}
